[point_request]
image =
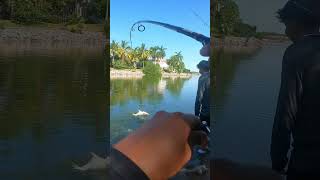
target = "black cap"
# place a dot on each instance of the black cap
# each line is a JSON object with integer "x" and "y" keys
{"x": 301, "y": 10}
{"x": 203, "y": 65}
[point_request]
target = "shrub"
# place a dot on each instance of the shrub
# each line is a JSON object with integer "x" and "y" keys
{"x": 152, "y": 70}
{"x": 76, "y": 28}
{"x": 244, "y": 30}
{"x": 2, "y": 25}
{"x": 186, "y": 71}
{"x": 120, "y": 65}
{"x": 26, "y": 13}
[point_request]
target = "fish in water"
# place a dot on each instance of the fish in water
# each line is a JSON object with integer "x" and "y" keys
{"x": 95, "y": 163}
{"x": 141, "y": 113}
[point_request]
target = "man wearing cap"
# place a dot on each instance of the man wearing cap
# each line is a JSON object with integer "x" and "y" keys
{"x": 202, "y": 103}
{"x": 297, "y": 119}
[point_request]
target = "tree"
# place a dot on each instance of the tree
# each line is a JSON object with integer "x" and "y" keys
{"x": 144, "y": 53}
{"x": 226, "y": 16}
{"x": 229, "y": 16}
{"x": 153, "y": 53}
{"x": 123, "y": 50}
{"x": 134, "y": 56}
{"x": 152, "y": 70}
{"x": 176, "y": 63}
{"x": 161, "y": 52}
{"x": 114, "y": 50}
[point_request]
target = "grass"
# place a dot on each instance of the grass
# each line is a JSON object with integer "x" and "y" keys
{"x": 88, "y": 27}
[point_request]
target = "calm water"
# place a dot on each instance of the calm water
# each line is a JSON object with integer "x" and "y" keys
{"x": 245, "y": 103}
{"x": 52, "y": 111}
{"x": 129, "y": 95}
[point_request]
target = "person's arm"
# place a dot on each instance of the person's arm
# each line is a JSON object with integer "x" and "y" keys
{"x": 162, "y": 146}
{"x": 286, "y": 111}
{"x": 122, "y": 168}
{"x": 200, "y": 91}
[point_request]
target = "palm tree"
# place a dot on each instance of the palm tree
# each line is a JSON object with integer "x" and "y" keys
{"x": 162, "y": 52}
{"x": 153, "y": 52}
{"x": 134, "y": 56}
{"x": 176, "y": 63}
{"x": 123, "y": 50}
{"x": 179, "y": 55}
{"x": 114, "y": 46}
{"x": 144, "y": 53}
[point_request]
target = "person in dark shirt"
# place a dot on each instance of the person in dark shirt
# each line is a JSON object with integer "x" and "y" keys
{"x": 297, "y": 119}
{"x": 202, "y": 102}
{"x": 157, "y": 150}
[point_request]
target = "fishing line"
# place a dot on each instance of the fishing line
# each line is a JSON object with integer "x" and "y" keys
{"x": 204, "y": 40}
{"x": 199, "y": 17}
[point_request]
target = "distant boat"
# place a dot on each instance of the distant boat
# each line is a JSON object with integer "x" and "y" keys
{"x": 141, "y": 113}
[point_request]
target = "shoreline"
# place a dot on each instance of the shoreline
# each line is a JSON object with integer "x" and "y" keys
{"x": 137, "y": 74}
{"x": 52, "y": 38}
{"x": 240, "y": 44}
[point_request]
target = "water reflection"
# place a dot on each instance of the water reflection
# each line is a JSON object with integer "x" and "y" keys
{"x": 225, "y": 71}
{"x": 145, "y": 89}
{"x": 245, "y": 101}
{"x": 151, "y": 95}
{"x": 52, "y": 110}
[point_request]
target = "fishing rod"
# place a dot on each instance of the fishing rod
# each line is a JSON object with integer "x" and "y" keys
{"x": 204, "y": 40}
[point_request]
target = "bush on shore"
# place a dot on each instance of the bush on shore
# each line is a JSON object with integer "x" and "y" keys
{"x": 120, "y": 65}
{"x": 152, "y": 70}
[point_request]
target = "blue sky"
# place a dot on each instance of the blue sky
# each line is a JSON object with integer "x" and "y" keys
{"x": 123, "y": 13}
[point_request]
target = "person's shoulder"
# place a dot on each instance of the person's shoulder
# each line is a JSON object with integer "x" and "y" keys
{"x": 297, "y": 53}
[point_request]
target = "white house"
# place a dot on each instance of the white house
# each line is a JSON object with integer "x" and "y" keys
{"x": 162, "y": 62}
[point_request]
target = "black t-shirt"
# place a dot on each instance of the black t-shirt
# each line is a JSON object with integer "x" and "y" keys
{"x": 122, "y": 168}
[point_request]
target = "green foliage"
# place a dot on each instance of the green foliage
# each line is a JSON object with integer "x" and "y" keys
{"x": 121, "y": 52}
{"x": 186, "y": 71}
{"x": 228, "y": 22}
{"x": 27, "y": 13}
{"x": 228, "y": 16}
{"x": 98, "y": 8}
{"x": 244, "y": 30}
{"x": 2, "y": 25}
{"x": 261, "y": 35}
{"x": 76, "y": 28}
{"x": 53, "y": 11}
{"x": 75, "y": 20}
{"x": 120, "y": 65}
{"x": 176, "y": 63}
{"x": 152, "y": 70}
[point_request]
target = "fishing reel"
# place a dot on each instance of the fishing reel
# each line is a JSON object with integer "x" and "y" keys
{"x": 205, "y": 127}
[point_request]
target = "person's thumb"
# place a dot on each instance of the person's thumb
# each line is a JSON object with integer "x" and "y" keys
{"x": 198, "y": 138}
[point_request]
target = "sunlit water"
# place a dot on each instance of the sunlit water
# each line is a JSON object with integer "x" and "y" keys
{"x": 130, "y": 95}
{"x": 53, "y": 106}
{"x": 245, "y": 103}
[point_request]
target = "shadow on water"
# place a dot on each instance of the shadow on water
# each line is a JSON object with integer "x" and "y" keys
{"x": 52, "y": 111}
{"x": 244, "y": 104}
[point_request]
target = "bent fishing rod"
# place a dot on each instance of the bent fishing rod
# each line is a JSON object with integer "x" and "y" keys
{"x": 197, "y": 36}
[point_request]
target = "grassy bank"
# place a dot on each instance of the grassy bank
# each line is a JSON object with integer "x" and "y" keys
{"x": 138, "y": 73}
{"x": 6, "y": 24}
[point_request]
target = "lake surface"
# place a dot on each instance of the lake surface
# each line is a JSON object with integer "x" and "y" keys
{"x": 245, "y": 102}
{"x": 129, "y": 95}
{"x": 53, "y": 111}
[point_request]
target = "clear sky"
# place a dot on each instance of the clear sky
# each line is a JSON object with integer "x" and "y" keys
{"x": 124, "y": 13}
{"x": 262, "y": 13}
